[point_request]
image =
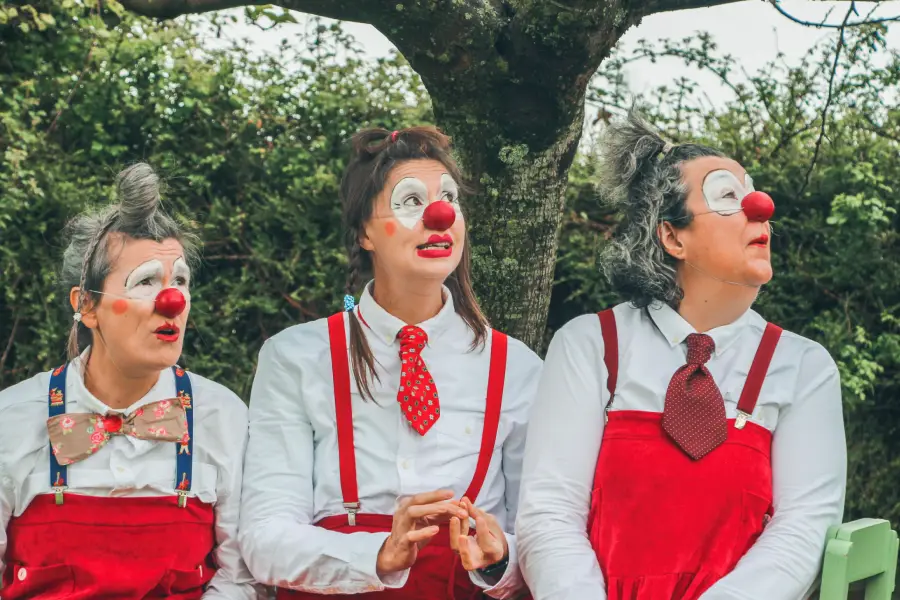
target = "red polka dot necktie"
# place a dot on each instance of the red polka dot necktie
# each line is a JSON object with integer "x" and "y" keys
{"x": 694, "y": 415}
{"x": 418, "y": 396}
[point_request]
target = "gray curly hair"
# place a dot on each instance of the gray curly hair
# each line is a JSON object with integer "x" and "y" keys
{"x": 136, "y": 214}
{"x": 641, "y": 176}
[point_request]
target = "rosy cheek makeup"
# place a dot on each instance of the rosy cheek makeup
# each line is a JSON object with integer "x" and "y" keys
{"x": 120, "y": 306}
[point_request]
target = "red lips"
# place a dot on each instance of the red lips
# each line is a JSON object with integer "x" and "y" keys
{"x": 168, "y": 332}
{"x": 762, "y": 240}
{"x": 437, "y": 246}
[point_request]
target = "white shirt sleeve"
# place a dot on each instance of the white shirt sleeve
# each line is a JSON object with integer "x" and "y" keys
{"x": 6, "y": 508}
{"x": 522, "y": 381}
{"x": 564, "y": 435}
{"x": 233, "y": 580}
{"x": 809, "y": 472}
{"x": 278, "y": 540}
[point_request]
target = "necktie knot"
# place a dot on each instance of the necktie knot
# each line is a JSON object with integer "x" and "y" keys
{"x": 412, "y": 339}
{"x": 700, "y": 348}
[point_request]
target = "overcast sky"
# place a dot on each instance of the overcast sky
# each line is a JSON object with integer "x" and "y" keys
{"x": 751, "y": 31}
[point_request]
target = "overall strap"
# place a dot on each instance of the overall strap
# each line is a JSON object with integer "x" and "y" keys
{"x": 56, "y": 398}
{"x": 757, "y": 374}
{"x": 184, "y": 450}
{"x": 343, "y": 410}
{"x": 610, "y": 351}
{"x": 496, "y": 381}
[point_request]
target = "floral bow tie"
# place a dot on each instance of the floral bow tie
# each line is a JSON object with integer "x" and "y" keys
{"x": 76, "y": 436}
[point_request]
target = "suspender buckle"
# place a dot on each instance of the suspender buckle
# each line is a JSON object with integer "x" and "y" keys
{"x": 58, "y": 492}
{"x": 352, "y": 508}
{"x": 741, "y": 419}
{"x": 182, "y": 498}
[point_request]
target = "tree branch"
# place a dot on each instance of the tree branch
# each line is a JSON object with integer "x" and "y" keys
{"x": 659, "y": 6}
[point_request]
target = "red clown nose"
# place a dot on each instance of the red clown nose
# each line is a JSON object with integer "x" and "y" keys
{"x": 758, "y": 206}
{"x": 170, "y": 303}
{"x": 439, "y": 216}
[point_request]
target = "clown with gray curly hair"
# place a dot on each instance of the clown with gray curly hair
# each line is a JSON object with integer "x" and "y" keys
{"x": 681, "y": 447}
{"x": 120, "y": 472}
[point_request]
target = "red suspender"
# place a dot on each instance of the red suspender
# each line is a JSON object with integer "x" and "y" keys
{"x": 610, "y": 351}
{"x": 757, "y": 374}
{"x": 496, "y": 380}
{"x": 343, "y": 410}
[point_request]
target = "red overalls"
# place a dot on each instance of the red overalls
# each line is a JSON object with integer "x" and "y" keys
{"x": 664, "y": 526}
{"x": 437, "y": 572}
{"x": 74, "y": 547}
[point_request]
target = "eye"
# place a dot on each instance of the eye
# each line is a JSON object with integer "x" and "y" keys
{"x": 729, "y": 194}
{"x": 412, "y": 201}
{"x": 146, "y": 281}
{"x": 181, "y": 280}
{"x": 449, "y": 197}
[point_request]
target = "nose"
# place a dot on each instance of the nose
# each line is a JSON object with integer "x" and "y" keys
{"x": 758, "y": 206}
{"x": 439, "y": 216}
{"x": 170, "y": 303}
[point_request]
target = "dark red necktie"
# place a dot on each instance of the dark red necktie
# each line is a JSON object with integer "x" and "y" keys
{"x": 418, "y": 396}
{"x": 694, "y": 416}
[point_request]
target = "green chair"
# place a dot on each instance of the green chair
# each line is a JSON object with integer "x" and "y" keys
{"x": 862, "y": 552}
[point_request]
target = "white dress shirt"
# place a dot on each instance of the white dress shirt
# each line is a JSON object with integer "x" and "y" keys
{"x": 292, "y": 472}
{"x": 127, "y": 466}
{"x": 800, "y": 402}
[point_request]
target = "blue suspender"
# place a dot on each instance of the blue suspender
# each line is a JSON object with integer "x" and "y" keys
{"x": 184, "y": 449}
{"x": 56, "y": 398}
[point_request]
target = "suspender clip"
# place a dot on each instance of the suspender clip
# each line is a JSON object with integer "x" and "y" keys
{"x": 182, "y": 497}
{"x": 58, "y": 492}
{"x": 741, "y": 419}
{"x": 352, "y": 508}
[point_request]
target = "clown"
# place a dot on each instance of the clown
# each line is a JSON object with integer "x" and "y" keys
{"x": 120, "y": 472}
{"x": 379, "y": 434}
{"x": 681, "y": 447}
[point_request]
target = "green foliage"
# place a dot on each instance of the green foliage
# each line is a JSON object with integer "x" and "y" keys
{"x": 836, "y": 248}
{"x": 252, "y": 149}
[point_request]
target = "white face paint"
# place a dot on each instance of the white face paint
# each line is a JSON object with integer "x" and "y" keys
{"x": 146, "y": 280}
{"x": 723, "y": 191}
{"x": 450, "y": 192}
{"x": 408, "y": 201}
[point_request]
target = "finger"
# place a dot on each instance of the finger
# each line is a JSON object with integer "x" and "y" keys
{"x": 465, "y": 526}
{"x": 448, "y": 509}
{"x": 454, "y": 534}
{"x": 431, "y": 497}
{"x": 484, "y": 536}
{"x": 465, "y": 553}
{"x": 420, "y": 535}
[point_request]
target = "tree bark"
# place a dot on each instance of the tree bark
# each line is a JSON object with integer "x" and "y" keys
{"x": 507, "y": 79}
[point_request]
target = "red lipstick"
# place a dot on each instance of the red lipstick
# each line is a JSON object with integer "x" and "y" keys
{"x": 762, "y": 240}
{"x": 168, "y": 332}
{"x": 437, "y": 246}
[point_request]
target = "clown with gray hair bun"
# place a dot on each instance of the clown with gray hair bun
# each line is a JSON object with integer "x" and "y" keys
{"x": 681, "y": 447}
{"x": 120, "y": 472}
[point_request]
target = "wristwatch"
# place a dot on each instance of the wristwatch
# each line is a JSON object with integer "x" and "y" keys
{"x": 495, "y": 569}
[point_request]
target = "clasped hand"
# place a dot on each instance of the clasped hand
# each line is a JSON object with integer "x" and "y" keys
{"x": 417, "y": 520}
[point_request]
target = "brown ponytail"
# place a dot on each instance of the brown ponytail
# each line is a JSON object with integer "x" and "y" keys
{"x": 375, "y": 152}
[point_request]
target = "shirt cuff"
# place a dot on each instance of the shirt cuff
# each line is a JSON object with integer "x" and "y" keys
{"x": 511, "y": 581}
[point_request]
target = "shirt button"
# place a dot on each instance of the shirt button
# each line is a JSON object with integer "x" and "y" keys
{"x": 22, "y": 574}
{"x": 468, "y": 429}
{"x": 405, "y": 464}
{"x": 120, "y": 469}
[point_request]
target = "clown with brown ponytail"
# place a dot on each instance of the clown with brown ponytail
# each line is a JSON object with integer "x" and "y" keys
{"x": 386, "y": 441}
{"x": 120, "y": 472}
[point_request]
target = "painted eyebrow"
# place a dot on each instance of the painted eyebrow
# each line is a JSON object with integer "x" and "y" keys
{"x": 407, "y": 185}
{"x": 142, "y": 271}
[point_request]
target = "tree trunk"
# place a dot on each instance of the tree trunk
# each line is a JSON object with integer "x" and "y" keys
{"x": 513, "y": 218}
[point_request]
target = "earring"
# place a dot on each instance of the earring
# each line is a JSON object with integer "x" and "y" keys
{"x": 77, "y": 317}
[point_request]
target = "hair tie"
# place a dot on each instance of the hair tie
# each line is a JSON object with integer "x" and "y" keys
{"x": 349, "y": 303}
{"x": 394, "y": 135}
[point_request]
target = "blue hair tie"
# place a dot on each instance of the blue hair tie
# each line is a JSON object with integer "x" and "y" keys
{"x": 349, "y": 303}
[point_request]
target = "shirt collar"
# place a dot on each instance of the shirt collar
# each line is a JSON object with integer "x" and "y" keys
{"x": 675, "y": 329}
{"x": 386, "y": 326}
{"x": 77, "y": 392}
